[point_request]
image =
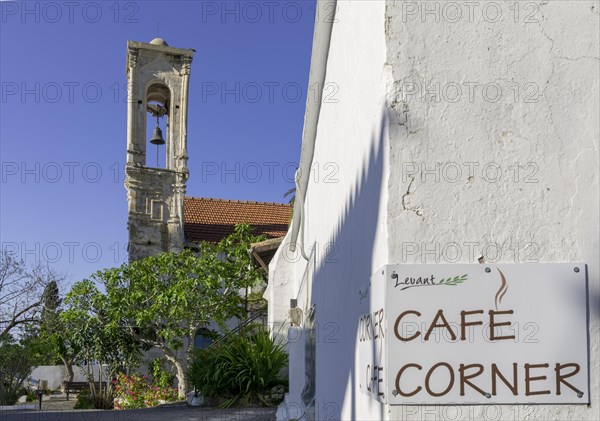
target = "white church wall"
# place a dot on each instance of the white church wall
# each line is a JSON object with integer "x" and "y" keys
{"x": 531, "y": 122}
{"x": 366, "y": 210}
{"x": 345, "y": 221}
{"x": 279, "y": 289}
{"x": 345, "y": 213}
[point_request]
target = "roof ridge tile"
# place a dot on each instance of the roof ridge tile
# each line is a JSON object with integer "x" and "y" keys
{"x": 252, "y": 202}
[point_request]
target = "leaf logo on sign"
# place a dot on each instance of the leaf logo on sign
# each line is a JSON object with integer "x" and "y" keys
{"x": 453, "y": 281}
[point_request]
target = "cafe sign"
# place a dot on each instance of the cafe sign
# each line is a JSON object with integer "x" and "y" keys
{"x": 475, "y": 334}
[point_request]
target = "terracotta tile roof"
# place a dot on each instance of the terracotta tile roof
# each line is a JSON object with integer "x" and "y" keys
{"x": 213, "y": 219}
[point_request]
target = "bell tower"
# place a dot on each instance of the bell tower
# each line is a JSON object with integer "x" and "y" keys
{"x": 158, "y": 79}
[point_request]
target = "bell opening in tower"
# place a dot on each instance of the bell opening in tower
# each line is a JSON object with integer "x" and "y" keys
{"x": 157, "y": 126}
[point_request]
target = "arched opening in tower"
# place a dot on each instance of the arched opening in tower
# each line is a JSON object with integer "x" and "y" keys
{"x": 158, "y": 135}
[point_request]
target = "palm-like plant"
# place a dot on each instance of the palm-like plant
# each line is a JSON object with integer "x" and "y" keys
{"x": 242, "y": 369}
{"x": 292, "y": 193}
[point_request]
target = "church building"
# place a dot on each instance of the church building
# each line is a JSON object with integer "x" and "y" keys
{"x": 160, "y": 217}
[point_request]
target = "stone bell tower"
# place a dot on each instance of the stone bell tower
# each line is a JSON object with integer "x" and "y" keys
{"x": 158, "y": 78}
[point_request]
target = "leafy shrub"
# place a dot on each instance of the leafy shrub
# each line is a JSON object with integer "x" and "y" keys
{"x": 95, "y": 399}
{"x": 31, "y": 395}
{"x": 15, "y": 366}
{"x": 161, "y": 378}
{"x": 85, "y": 400}
{"x": 135, "y": 391}
{"x": 243, "y": 368}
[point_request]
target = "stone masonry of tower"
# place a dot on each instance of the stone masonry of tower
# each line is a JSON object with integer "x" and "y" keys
{"x": 156, "y": 74}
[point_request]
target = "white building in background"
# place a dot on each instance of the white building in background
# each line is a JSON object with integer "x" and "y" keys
{"x": 448, "y": 132}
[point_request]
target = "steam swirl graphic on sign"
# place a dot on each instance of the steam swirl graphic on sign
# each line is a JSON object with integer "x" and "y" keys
{"x": 502, "y": 290}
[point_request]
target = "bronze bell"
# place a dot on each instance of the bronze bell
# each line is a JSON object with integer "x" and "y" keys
{"x": 157, "y": 137}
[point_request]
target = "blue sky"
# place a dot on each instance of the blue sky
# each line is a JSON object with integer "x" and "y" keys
{"x": 63, "y": 114}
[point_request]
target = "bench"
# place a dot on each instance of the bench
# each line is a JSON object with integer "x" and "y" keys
{"x": 76, "y": 387}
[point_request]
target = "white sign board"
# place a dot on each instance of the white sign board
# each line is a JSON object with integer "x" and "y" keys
{"x": 475, "y": 334}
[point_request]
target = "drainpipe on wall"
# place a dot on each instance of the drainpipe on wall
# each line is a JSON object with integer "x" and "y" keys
{"x": 324, "y": 19}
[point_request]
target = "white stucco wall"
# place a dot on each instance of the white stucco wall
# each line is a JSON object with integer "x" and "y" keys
{"x": 545, "y": 212}
{"x": 513, "y": 102}
{"x": 345, "y": 213}
{"x": 55, "y": 374}
{"x": 345, "y": 217}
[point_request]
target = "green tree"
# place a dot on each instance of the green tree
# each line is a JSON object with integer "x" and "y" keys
{"x": 237, "y": 265}
{"x": 163, "y": 300}
{"x": 55, "y": 334}
{"x": 67, "y": 350}
{"x": 28, "y": 297}
{"x": 39, "y": 336}
{"x": 98, "y": 339}
{"x": 15, "y": 365}
{"x": 49, "y": 319}
{"x": 50, "y": 341}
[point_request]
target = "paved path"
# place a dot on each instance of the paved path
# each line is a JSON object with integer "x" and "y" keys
{"x": 172, "y": 413}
